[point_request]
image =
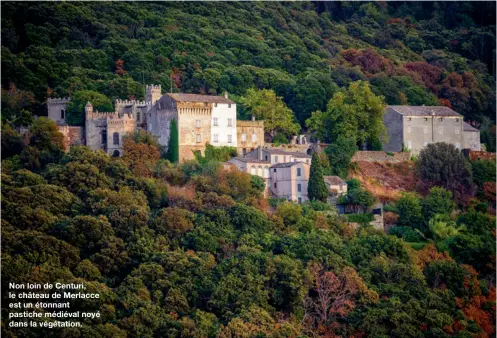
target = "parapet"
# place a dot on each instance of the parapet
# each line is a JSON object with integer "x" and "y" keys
{"x": 119, "y": 102}
{"x": 256, "y": 124}
{"x": 153, "y": 87}
{"x": 58, "y": 100}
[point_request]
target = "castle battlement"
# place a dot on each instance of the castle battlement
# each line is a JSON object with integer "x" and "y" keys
{"x": 240, "y": 123}
{"x": 119, "y": 102}
{"x": 195, "y": 111}
{"x": 153, "y": 87}
{"x": 96, "y": 115}
{"x": 58, "y": 100}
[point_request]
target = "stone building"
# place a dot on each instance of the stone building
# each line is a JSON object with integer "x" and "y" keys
{"x": 106, "y": 130}
{"x": 471, "y": 137}
{"x": 250, "y": 135}
{"x": 201, "y": 119}
{"x": 277, "y": 155}
{"x": 414, "y": 127}
{"x": 57, "y": 109}
{"x": 289, "y": 180}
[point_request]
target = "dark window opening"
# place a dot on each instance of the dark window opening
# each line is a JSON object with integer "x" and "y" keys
{"x": 104, "y": 137}
{"x": 115, "y": 138}
{"x": 62, "y": 114}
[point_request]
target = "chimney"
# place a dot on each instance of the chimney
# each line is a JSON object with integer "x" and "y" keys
{"x": 225, "y": 95}
{"x": 253, "y": 117}
{"x": 259, "y": 153}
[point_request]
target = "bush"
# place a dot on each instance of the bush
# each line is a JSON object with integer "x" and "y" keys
{"x": 406, "y": 233}
{"x": 360, "y": 218}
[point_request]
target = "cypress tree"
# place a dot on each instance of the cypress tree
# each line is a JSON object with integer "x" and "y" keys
{"x": 173, "y": 144}
{"x": 316, "y": 189}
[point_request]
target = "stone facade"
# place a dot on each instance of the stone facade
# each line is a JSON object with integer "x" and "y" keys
{"x": 73, "y": 135}
{"x": 250, "y": 135}
{"x": 201, "y": 119}
{"x": 275, "y": 155}
{"x": 57, "y": 109}
{"x": 471, "y": 137}
{"x": 106, "y": 130}
{"x": 414, "y": 127}
{"x": 289, "y": 180}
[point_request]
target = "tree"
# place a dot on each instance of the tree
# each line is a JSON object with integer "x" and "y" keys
{"x": 173, "y": 143}
{"x": 316, "y": 188}
{"x": 410, "y": 211}
{"x": 339, "y": 154}
{"x": 76, "y": 108}
{"x": 442, "y": 227}
{"x": 438, "y": 201}
{"x": 265, "y": 105}
{"x": 443, "y": 164}
{"x": 354, "y": 113}
{"x": 12, "y": 142}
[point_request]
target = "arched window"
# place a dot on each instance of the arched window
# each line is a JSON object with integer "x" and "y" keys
{"x": 259, "y": 171}
{"x": 252, "y": 170}
{"x": 116, "y": 153}
{"x": 62, "y": 114}
{"x": 115, "y": 138}
{"x": 138, "y": 116}
{"x": 104, "y": 136}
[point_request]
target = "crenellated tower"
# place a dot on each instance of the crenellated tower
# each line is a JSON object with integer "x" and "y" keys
{"x": 153, "y": 93}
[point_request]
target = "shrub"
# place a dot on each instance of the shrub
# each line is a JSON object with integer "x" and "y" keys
{"x": 406, "y": 233}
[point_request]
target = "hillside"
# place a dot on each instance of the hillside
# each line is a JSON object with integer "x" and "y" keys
{"x": 411, "y": 53}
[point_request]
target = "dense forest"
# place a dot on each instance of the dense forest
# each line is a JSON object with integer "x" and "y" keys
{"x": 193, "y": 250}
{"x": 410, "y": 52}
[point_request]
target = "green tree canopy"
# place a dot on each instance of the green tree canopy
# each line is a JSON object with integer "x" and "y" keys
{"x": 265, "y": 105}
{"x": 316, "y": 188}
{"x": 340, "y": 154}
{"x": 354, "y": 113}
{"x": 76, "y": 108}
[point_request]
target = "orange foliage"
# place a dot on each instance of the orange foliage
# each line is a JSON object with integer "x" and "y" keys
{"x": 445, "y": 102}
{"x": 475, "y": 309}
{"x": 140, "y": 157}
{"x": 119, "y": 67}
{"x": 429, "y": 254}
{"x": 177, "y": 77}
{"x": 369, "y": 61}
{"x": 183, "y": 197}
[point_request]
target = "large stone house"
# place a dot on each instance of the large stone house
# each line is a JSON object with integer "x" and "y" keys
{"x": 414, "y": 127}
{"x": 277, "y": 155}
{"x": 201, "y": 119}
{"x": 289, "y": 180}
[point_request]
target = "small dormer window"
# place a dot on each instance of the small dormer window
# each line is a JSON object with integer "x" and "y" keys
{"x": 229, "y": 105}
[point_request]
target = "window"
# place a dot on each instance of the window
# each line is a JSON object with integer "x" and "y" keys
{"x": 298, "y": 172}
{"x": 275, "y": 185}
{"x": 299, "y": 187}
{"x": 265, "y": 158}
{"x": 276, "y": 159}
{"x": 215, "y": 121}
{"x": 307, "y": 161}
{"x": 104, "y": 137}
{"x": 216, "y": 138}
{"x": 252, "y": 170}
{"x": 441, "y": 119}
{"x": 274, "y": 170}
{"x": 215, "y": 104}
{"x": 410, "y": 119}
{"x": 229, "y": 105}
{"x": 300, "y": 199}
{"x": 244, "y": 137}
{"x": 426, "y": 119}
{"x": 266, "y": 172}
{"x": 457, "y": 131}
{"x": 115, "y": 138}
{"x": 229, "y": 138}
{"x": 259, "y": 171}
{"x": 197, "y": 137}
{"x": 409, "y": 145}
{"x": 138, "y": 116}
{"x": 229, "y": 123}
{"x": 457, "y": 119}
{"x": 254, "y": 137}
{"x": 198, "y": 123}
{"x": 62, "y": 114}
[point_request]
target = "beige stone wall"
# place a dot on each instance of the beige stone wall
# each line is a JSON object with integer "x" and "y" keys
{"x": 72, "y": 136}
{"x": 117, "y": 128}
{"x": 249, "y": 128}
{"x": 188, "y": 129}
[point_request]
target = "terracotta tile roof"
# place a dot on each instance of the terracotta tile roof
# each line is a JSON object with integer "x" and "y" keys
{"x": 424, "y": 111}
{"x": 183, "y": 97}
{"x": 333, "y": 180}
{"x": 468, "y": 127}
